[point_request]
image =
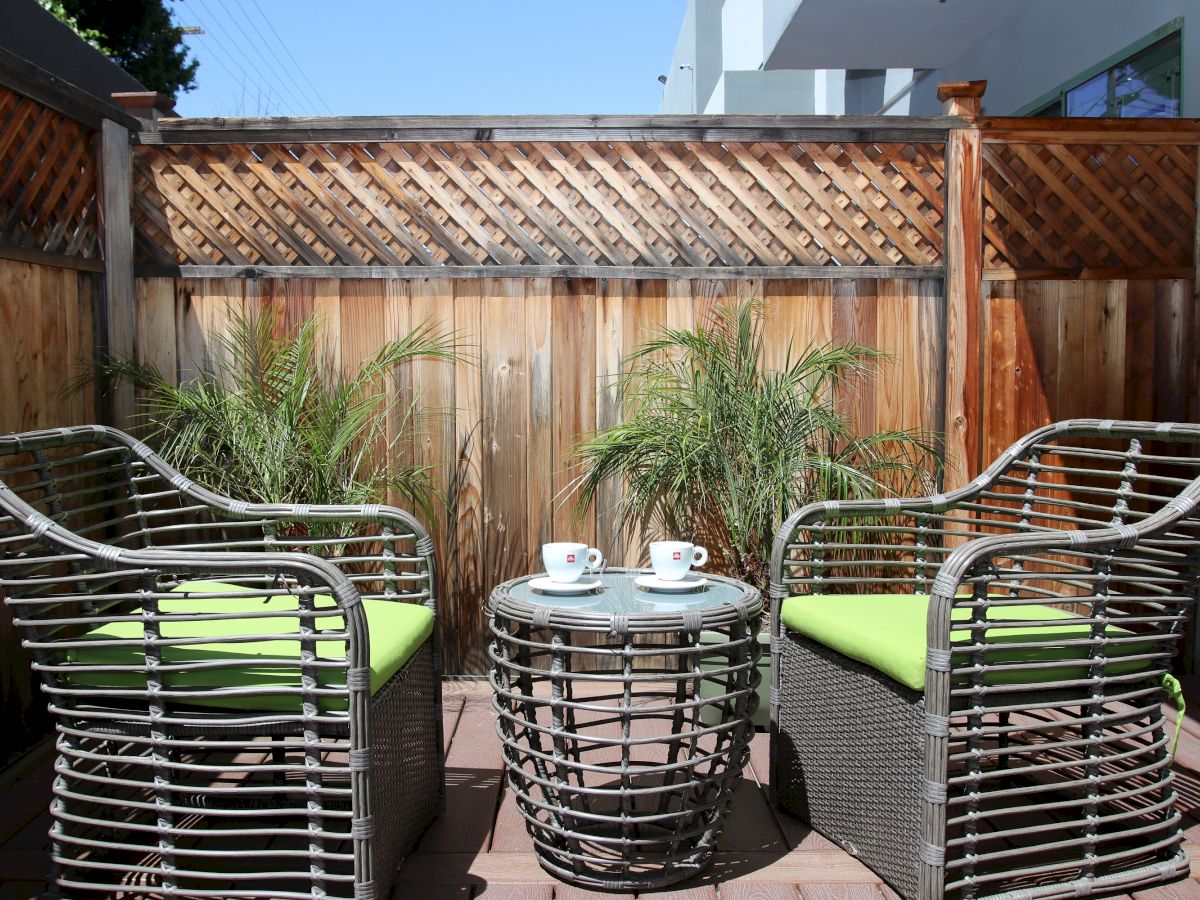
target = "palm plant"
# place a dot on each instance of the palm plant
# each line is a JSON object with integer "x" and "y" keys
{"x": 268, "y": 422}
{"x": 719, "y": 447}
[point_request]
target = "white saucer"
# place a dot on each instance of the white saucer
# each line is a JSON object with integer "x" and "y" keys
{"x": 547, "y": 585}
{"x": 685, "y": 585}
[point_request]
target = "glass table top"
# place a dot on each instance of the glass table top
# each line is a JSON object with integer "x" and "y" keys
{"x": 618, "y": 592}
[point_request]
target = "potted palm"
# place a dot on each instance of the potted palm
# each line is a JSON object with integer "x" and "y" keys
{"x": 268, "y": 421}
{"x": 717, "y": 447}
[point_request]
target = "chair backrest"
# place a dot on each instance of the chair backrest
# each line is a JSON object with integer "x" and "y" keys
{"x": 102, "y": 485}
{"x": 1074, "y": 476}
{"x": 1082, "y": 474}
{"x": 95, "y": 482}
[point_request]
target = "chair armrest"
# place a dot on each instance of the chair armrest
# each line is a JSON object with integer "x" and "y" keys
{"x": 970, "y": 574}
{"x": 393, "y": 525}
{"x": 886, "y": 514}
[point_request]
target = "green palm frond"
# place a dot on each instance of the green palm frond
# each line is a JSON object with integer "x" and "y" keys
{"x": 268, "y": 421}
{"x": 715, "y": 442}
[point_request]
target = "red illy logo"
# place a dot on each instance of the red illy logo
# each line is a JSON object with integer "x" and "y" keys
{"x": 676, "y": 555}
{"x": 571, "y": 557}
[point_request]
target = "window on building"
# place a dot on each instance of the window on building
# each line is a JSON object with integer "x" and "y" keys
{"x": 1146, "y": 84}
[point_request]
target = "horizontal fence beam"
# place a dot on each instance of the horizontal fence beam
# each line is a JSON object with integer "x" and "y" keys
{"x": 51, "y": 91}
{"x": 1167, "y": 273}
{"x": 1010, "y": 130}
{"x": 467, "y": 272}
{"x": 714, "y": 129}
{"x": 46, "y": 258}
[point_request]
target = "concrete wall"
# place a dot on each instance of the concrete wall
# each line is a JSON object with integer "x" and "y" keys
{"x": 1045, "y": 44}
{"x": 30, "y": 32}
{"x": 767, "y": 93}
{"x": 742, "y": 35}
{"x": 776, "y": 16}
{"x": 718, "y": 67}
{"x": 696, "y": 65}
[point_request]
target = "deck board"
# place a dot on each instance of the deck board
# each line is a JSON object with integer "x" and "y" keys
{"x": 479, "y": 849}
{"x": 473, "y": 780}
{"x": 516, "y": 892}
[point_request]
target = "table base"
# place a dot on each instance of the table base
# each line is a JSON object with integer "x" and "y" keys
{"x": 622, "y": 784}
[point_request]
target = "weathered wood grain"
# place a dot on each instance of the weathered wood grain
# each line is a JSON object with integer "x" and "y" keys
{"x": 573, "y": 397}
{"x": 963, "y": 285}
{"x": 116, "y": 200}
{"x": 560, "y": 207}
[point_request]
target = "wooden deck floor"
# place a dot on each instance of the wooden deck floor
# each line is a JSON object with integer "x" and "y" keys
{"x": 479, "y": 849}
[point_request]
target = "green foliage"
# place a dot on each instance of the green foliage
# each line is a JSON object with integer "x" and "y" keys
{"x": 90, "y": 35}
{"x": 138, "y": 35}
{"x": 269, "y": 424}
{"x": 717, "y": 447}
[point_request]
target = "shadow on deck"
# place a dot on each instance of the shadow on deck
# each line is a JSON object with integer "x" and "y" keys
{"x": 479, "y": 848}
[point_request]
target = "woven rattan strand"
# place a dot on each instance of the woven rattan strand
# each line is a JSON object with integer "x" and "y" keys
{"x": 1011, "y": 773}
{"x": 621, "y": 784}
{"x": 173, "y": 779}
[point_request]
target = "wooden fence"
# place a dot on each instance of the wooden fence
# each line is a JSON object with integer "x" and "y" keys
{"x": 52, "y": 294}
{"x": 545, "y": 349}
{"x": 1018, "y": 271}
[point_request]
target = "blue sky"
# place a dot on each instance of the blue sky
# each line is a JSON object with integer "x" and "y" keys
{"x": 373, "y": 57}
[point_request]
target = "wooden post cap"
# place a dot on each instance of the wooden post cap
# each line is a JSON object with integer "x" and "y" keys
{"x": 149, "y": 106}
{"x": 961, "y": 98}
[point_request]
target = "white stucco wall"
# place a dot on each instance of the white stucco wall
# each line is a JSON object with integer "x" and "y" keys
{"x": 741, "y": 35}
{"x": 1046, "y": 44}
{"x": 768, "y": 93}
{"x": 677, "y": 95}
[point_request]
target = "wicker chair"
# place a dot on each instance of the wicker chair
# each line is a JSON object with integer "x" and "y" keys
{"x": 246, "y": 697}
{"x": 967, "y": 689}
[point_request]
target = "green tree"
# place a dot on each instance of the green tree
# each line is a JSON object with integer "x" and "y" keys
{"x": 138, "y": 35}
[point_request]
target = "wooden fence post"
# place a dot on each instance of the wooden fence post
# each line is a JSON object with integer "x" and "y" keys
{"x": 1194, "y": 387}
{"x": 964, "y": 284}
{"x": 116, "y": 158}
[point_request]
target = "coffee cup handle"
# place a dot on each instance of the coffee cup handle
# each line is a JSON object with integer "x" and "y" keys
{"x": 699, "y": 556}
{"x": 595, "y": 559}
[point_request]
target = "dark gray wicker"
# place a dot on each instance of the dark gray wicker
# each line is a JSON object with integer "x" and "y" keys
{"x": 312, "y": 790}
{"x": 1035, "y": 788}
{"x": 621, "y": 783}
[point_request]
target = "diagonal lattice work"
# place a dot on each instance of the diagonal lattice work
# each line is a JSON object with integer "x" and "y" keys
{"x": 541, "y": 203}
{"x": 47, "y": 180}
{"x": 1088, "y": 205}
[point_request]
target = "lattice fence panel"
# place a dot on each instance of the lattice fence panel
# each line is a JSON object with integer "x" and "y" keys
{"x": 47, "y": 180}
{"x": 1088, "y": 206}
{"x": 541, "y": 203}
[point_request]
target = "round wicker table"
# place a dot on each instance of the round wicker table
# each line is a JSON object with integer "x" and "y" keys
{"x": 621, "y": 783}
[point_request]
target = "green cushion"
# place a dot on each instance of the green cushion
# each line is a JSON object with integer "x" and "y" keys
{"x": 888, "y": 632}
{"x": 396, "y": 631}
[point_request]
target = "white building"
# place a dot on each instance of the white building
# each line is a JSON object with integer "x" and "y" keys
{"x": 868, "y": 57}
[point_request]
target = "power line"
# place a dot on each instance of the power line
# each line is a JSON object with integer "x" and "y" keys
{"x": 240, "y": 79}
{"x": 288, "y": 51}
{"x": 313, "y": 92}
{"x": 261, "y": 77}
{"x": 284, "y": 80}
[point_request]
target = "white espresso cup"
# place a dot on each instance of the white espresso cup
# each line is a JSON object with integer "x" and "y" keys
{"x": 673, "y": 559}
{"x": 565, "y": 562}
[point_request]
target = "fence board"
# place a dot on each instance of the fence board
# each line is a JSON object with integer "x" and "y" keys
{"x": 536, "y": 355}
{"x": 46, "y": 344}
{"x": 1104, "y": 349}
{"x": 1088, "y": 206}
{"x": 542, "y": 203}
